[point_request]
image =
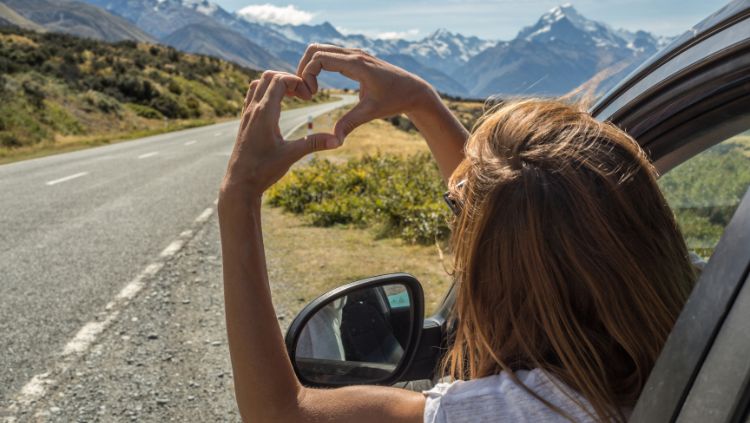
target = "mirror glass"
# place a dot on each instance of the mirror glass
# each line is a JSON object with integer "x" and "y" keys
{"x": 358, "y": 337}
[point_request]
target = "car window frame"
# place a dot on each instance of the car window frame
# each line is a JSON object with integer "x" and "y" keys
{"x": 719, "y": 390}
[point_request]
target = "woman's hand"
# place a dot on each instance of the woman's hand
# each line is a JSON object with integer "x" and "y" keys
{"x": 261, "y": 156}
{"x": 385, "y": 89}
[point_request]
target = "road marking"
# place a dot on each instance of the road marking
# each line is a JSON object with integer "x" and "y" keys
{"x": 204, "y": 216}
{"x": 218, "y": 134}
{"x": 37, "y": 388}
{"x": 147, "y": 155}
{"x": 67, "y": 178}
{"x": 172, "y": 248}
{"x": 191, "y": 142}
{"x": 87, "y": 335}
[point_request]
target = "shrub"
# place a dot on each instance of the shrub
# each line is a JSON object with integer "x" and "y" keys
{"x": 169, "y": 107}
{"x": 34, "y": 92}
{"x": 144, "y": 111}
{"x": 174, "y": 87}
{"x": 101, "y": 101}
{"x": 401, "y": 122}
{"x": 401, "y": 196}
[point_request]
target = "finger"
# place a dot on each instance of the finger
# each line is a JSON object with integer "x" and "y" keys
{"x": 330, "y": 48}
{"x": 265, "y": 81}
{"x": 301, "y": 90}
{"x": 280, "y": 85}
{"x": 249, "y": 96}
{"x": 299, "y": 148}
{"x": 358, "y": 115}
{"x": 345, "y": 64}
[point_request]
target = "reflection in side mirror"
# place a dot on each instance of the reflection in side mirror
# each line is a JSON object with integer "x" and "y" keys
{"x": 362, "y": 333}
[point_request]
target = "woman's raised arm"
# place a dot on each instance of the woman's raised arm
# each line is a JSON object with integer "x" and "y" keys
{"x": 266, "y": 387}
{"x": 387, "y": 90}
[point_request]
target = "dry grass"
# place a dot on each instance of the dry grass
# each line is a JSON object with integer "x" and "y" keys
{"x": 314, "y": 260}
{"x": 374, "y": 137}
{"x": 319, "y": 259}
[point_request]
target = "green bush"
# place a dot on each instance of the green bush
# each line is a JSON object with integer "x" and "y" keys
{"x": 168, "y": 106}
{"x": 101, "y": 102}
{"x": 704, "y": 192}
{"x": 401, "y": 196}
{"x": 144, "y": 111}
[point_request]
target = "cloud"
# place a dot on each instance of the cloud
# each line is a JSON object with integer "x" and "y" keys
{"x": 276, "y": 14}
{"x": 387, "y": 35}
{"x": 395, "y": 35}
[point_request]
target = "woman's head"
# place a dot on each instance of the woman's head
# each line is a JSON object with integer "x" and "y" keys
{"x": 567, "y": 256}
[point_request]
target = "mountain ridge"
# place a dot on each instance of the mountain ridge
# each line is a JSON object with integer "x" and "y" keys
{"x": 562, "y": 50}
{"x": 77, "y": 18}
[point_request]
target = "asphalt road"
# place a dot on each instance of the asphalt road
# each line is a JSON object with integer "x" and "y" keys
{"x": 76, "y": 227}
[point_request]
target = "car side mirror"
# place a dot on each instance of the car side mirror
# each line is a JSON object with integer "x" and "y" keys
{"x": 365, "y": 332}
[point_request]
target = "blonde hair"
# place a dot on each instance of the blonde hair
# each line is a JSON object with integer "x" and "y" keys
{"x": 567, "y": 257}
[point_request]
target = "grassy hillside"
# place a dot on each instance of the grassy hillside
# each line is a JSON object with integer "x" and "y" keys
{"x": 58, "y": 91}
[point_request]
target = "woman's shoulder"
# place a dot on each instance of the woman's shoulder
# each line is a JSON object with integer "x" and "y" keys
{"x": 499, "y": 398}
{"x": 496, "y": 383}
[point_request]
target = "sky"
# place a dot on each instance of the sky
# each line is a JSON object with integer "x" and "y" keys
{"x": 491, "y": 19}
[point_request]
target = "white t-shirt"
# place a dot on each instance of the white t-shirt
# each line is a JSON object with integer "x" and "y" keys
{"x": 498, "y": 398}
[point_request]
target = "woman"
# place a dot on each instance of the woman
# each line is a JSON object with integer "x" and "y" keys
{"x": 570, "y": 268}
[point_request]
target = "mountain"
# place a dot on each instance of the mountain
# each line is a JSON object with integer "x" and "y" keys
{"x": 442, "y": 82}
{"x": 9, "y": 17}
{"x": 156, "y": 17}
{"x": 445, "y": 50}
{"x": 75, "y": 18}
{"x": 216, "y": 40}
{"x": 562, "y": 51}
{"x": 432, "y": 58}
{"x": 216, "y": 32}
{"x": 280, "y": 46}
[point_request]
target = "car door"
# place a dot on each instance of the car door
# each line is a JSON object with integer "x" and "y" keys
{"x": 690, "y": 110}
{"x": 688, "y": 107}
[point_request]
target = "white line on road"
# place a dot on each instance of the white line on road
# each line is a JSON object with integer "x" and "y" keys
{"x": 87, "y": 335}
{"x": 36, "y": 388}
{"x": 67, "y": 178}
{"x": 218, "y": 134}
{"x": 191, "y": 142}
{"x": 172, "y": 248}
{"x": 147, "y": 155}
{"x": 204, "y": 216}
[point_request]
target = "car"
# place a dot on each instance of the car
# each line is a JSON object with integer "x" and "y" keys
{"x": 689, "y": 108}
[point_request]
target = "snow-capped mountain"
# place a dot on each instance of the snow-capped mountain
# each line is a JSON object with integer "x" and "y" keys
{"x": 445, "y": 50}
{"x": 558, "y": 53}
{"x": 564, "y": 23}
{"x": 197, "y": 26}
{"x": 203, "y": 6}
{"x": 433, "y": 57}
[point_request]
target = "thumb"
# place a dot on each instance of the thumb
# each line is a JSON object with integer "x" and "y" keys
{"x": 355, "y": 117}
{"x": 316, "y": 142}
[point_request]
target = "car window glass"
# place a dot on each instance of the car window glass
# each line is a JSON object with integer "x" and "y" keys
{"x": 705, "y": 190}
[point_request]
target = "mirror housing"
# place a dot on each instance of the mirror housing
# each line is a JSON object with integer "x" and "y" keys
{"x": 331, "y": 364}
